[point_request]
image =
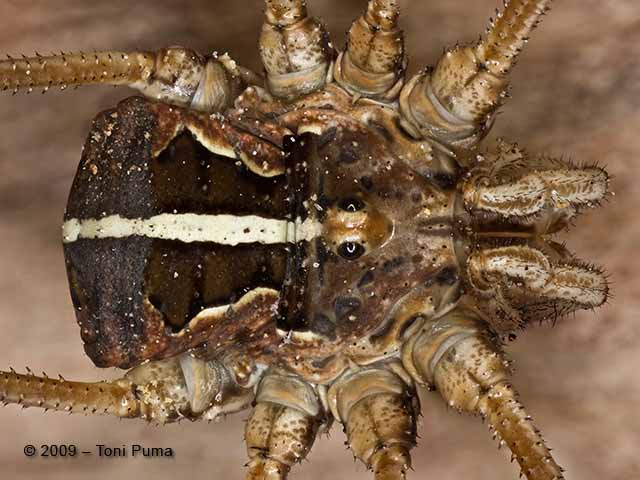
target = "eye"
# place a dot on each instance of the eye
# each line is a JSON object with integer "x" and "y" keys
{"x": 351, "y": 205}
{"x": 351, "y": 250}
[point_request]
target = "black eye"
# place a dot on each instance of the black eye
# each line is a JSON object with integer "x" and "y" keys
{"x": 350, "y": 250}
{"x": 350, "y": 205}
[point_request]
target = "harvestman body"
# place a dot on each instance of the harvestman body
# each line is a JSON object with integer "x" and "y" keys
{"x": 317, "y": 243}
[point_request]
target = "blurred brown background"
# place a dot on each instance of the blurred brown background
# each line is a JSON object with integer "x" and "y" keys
{"x": 576, "y": 92}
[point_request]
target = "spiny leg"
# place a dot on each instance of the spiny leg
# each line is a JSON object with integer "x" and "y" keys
{"x": 175, "y": 75}
{"x": 113, "y": 398}
{"x": 378, "y": 409}
{"x": 458, "y": 356}
{"x": 162, "y": 391}
{"x": 374, "y": 61}
{"x": 282, "y": 427}
{"x": 456, "y": 102}
{"x": 295, "y": 49}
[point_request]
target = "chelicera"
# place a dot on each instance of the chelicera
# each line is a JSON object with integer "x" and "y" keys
{"x": 316, "y": 243}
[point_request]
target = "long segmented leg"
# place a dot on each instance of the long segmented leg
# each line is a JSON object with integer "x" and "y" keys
{"x": 458, "y": 356}
{"x": 295, "y": 49}
{"x": 177, "y": 75}
{"x": 374, "y": 62}
{"x": 282, "y": 427}
{"x": 378, "y": 409}
{"x": 456, "y": 102}
{"x": 162, "y": 392}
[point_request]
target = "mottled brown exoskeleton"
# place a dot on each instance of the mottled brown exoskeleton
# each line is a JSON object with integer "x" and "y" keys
{"x": 317, "y": 243}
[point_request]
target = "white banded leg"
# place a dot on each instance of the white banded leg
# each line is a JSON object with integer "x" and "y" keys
{"x": 458, "y": 356}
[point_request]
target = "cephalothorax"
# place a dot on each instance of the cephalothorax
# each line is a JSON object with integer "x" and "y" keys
{"x": 317, "y": 243}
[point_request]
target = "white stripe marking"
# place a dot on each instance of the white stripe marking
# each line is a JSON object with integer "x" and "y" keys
{"x": 222, "y": 229}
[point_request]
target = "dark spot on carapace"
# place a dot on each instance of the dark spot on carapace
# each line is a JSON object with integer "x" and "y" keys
{"x": 327, "y": 137}
{"x": 288, "y": 142}
{"x": 392, "y": 264}
{"x": 346, "y": 306}
{"x": 366, "y": 183}
{"x": 348, "y": 155}
{"x": 366, "y": 279}
{"x": 444, "y": 180}
{"x": 447, "y": 276}
{"x": 382, "y": 130}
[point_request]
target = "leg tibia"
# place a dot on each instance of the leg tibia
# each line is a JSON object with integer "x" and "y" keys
{"x": 112, "y": 68}
{"x": 282, "y": 427}
{"x": 379, "y": 411}
{"x": 463, "y": 362}
{"x": 112, "y": 398}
